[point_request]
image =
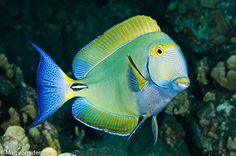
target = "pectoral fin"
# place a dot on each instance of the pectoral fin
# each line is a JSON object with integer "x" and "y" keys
{"x": 136, "y": 79}
{"x": 155, "y": 128}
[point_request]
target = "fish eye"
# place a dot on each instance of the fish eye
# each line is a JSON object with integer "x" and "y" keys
{"x": 157, "y": 51}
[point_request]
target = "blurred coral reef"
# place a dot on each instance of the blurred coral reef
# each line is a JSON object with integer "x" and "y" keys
{"x": 200, "y": 121}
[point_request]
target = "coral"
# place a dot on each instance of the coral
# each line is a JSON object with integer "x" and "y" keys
{"x": 202, "y": 70}
{"x": 67, "y": 154}
{"x": 231, "y": 146}
{"x": 28, "y": 110}
{"x": 11, "y": 85}
{"x": 48, "y": 151}
{"x": 216, "y": 123}
{"x": 1, "y": 108}
{"x": 1, "y": 150}
{"x": 179, "y": 105}
{"x": 170, "y": 137}
{"x": 6, "y": 66}
{"x": 225, "y": 108}
{"x": 46, "y": 135}
{"x": 209, "y": 96}
{"x": 207, "y": 115}
{"x": 222, "y": 23}
{"x": 171, "y": 132}
{"x": 15, "y": 142}
{"x": 12, "y": 72}
{"x": 226, "y": 78}
{"x": 234, "y": 96}
{"x": 7, "y": 88}
{"x": 51, "y": 140}
{"x": 79, "y": 137}
{"x": 104, "y": 150}
{"x": 231, "y": 63}
{"x": 233, "y": 40}
{"x": 14, "y": 119}
{"x": 35, "y": 134}
{"x": 209, "y": 3}
{"x": 27, "y": 96}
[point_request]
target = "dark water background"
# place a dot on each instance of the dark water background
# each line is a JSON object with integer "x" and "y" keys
{"x": 201, "y": 121}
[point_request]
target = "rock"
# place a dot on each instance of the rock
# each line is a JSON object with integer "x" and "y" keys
{"x": 48, "y": 151}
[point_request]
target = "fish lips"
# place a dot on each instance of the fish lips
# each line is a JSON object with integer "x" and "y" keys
{"x": 181, "y": 83}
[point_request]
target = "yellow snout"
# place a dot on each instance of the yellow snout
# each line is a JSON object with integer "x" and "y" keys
{"x": 182, "y": 82}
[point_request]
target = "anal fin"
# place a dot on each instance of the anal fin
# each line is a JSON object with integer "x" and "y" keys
{"x": 99, "y": 119}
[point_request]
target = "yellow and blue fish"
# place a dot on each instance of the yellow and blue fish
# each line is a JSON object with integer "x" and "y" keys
{"x": 124, "y": 76}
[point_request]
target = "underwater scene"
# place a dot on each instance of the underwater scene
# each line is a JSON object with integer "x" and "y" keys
{"x": 118, "y": 78}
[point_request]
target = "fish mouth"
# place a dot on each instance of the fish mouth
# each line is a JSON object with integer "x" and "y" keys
{"x": 182, "y": 83}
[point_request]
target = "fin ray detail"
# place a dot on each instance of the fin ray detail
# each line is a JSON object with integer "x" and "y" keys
{"x": 102, "y": 120}
{"x": 136, "y": 79}
{"x": 112, "y": 39}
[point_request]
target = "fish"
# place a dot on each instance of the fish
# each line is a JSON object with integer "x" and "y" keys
{"x": 128, "y": 74}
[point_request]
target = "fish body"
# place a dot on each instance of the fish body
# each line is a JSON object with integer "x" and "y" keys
{"x": 130, "y": 72}
{"x": 113, "y": 82}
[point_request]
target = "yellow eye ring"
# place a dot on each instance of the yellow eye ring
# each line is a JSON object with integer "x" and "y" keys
{"x": 157, "y": 51}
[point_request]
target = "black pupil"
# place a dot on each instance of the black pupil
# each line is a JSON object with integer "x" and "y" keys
{"x": 159, "y": 51}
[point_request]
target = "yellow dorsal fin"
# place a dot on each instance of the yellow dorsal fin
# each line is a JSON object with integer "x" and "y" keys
{"x": 112, "y": 39}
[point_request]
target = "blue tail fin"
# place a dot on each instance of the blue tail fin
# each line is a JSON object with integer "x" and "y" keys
{"x": 52, "y": 87}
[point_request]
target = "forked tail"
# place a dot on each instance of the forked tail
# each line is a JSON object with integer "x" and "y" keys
{"x": 54, "y": 87}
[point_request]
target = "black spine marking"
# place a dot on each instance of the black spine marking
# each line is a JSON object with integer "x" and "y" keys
{"x": 78, "y": 86}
